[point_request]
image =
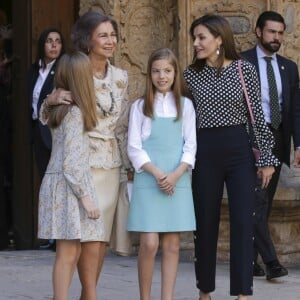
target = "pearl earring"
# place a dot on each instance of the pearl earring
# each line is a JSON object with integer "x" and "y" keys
{"x": 218, "y": 51}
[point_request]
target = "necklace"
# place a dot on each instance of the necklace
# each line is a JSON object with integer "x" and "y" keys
{"x": 107, "y": 113}
{"x": 99, "y": 75}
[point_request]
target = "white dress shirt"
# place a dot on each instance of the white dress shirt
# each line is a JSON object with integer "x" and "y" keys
{"x": 265, "y": 98}
{"x": 43, "y": 73}
{"x": 140, "y": 128}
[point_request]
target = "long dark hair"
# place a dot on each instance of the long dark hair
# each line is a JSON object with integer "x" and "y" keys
{"x": 85, "y": 26}
{"x": 218, "y": 27}
{"x": 40, "y": 55}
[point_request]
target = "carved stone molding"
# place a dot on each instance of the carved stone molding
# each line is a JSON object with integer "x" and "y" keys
{"x": 241, "y": 15}
{"x": 104, "y": 6}
{"x": 144, "y": 27}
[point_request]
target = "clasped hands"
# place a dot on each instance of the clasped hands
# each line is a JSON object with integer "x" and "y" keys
{"x": 167, "y": 183}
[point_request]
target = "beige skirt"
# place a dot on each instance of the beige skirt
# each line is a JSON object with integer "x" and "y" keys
{"x": 107, "y": 187}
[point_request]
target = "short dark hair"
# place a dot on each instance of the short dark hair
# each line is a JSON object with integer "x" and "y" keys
{"x": 84, "y": 28}
{"x": 41, "y": 44}
{"x": 269, "y": 16}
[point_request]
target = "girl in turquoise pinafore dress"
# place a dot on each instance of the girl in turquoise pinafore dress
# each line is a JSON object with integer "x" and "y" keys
{"x": 162, "y": 147}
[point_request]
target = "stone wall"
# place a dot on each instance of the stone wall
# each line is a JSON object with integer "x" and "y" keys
{"x": 148, "y": 24}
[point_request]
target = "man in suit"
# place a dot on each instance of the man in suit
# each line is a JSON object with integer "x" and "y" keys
{"x": 283, "y": 119}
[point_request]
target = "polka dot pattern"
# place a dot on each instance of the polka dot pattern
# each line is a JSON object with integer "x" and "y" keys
{"x": 273, "y": 93}
{"x": 219, "y": 101}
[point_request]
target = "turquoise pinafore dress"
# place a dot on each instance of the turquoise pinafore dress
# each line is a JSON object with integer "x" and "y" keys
{"x": 151, "y": 210}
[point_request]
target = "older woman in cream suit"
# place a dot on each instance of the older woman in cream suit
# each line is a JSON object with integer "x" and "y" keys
{"x": 108, "y": 139}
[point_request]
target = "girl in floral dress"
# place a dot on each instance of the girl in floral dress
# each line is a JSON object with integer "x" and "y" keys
{"x": 68, "y": 205}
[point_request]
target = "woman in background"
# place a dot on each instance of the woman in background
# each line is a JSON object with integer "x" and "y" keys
{"x": 40, "y": 84}
{"x": 50, "y": 47}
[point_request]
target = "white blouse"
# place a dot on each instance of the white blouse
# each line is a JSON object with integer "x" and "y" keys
{"x": 43, "y": 73}
{"x": 140, "y": 128}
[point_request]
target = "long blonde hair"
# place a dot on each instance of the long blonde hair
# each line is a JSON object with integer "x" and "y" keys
{"x": 74, "y": 73}
{"x": 162, "y": 53}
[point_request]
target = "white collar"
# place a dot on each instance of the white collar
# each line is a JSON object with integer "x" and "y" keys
{"x": 262, "y": 54}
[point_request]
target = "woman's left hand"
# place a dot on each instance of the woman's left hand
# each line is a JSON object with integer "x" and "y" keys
{"x": 265, "y": 173}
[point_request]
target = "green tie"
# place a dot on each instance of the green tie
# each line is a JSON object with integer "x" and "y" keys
{"x": 273, "y": 94}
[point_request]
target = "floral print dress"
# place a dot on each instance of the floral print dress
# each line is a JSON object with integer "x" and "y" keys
{"x": 67, "y": 179}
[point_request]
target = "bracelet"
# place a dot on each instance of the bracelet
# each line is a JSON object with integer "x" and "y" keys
{"x": 47, "y": 106}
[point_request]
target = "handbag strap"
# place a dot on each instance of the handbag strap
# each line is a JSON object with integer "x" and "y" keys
{"x": 245, "y": 92}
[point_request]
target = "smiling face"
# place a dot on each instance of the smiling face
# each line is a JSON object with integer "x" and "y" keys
{"x": 270, "y": 37}
{"x": 162, "y": 75}
{"x": 103, "y": 40}
{"x": 53, "y": 47}
{"x": 205, "y": 44}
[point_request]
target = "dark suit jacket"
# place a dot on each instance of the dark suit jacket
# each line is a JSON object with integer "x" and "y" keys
{"x": 291, "y": 99}
{"x": 47, "y": 88}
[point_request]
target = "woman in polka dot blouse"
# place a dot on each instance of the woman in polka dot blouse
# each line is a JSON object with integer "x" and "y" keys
{"x": 224, "y": 153}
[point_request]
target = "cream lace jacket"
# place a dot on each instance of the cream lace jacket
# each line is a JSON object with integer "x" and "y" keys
{"x": 108, "y": 140}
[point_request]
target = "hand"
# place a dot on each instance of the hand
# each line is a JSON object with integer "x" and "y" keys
{"x": 130, "y": 175}
{"x": 265, "y": 173}
{"x": 59, "y": 96}
{"x": 91, "y": 209}
{"x": 296, "y": 162}
{"x": 159, "y": 176}
{"x": 167, "y": 183}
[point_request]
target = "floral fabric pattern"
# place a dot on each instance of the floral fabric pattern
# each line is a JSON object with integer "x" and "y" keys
{"x": 110, "y": 135}
{"x": 68, "y": 178}
{"x": 108, "y": 140}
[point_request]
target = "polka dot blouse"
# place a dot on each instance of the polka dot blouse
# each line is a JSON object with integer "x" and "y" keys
{"x": 219, "y": 101}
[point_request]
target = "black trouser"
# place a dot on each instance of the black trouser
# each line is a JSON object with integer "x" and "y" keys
{"x": 224, "y": 156}
{"x": 263, "y": 243}
{"x": 41, "y": 152}
{"x": 278, "y": 151}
